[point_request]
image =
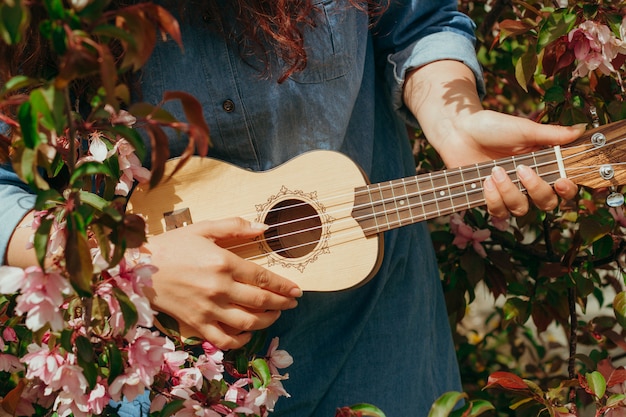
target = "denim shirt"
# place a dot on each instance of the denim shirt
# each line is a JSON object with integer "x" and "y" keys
{"x": 387, "y": 342}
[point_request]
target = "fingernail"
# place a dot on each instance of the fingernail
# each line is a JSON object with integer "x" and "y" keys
{"x": 488, "y": 184}
{"x": 523, "y": 172}
{"x": 295, "y": 292}
{"x": 498, "y": 174}
{"x": 259, "y": 226}
{"x": 579, "y": 126}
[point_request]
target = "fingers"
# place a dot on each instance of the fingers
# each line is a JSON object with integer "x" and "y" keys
{"x": 231, "y": 228}
{"x": 235, "y": 327}
{"x": 503, "y": 195}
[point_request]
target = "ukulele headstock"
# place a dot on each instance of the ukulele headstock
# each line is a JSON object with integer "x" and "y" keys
{"x": 598, "y": 158}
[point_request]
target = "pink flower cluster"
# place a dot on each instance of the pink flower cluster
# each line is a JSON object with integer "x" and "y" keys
{"x": 130, "y": 165}
{"x": 465, "y": 235}
{"x": 596, "y": 47}
{"x": 239, "y": 398}
{"x": 56, "y": 379}
{"x": 41, "y": 295}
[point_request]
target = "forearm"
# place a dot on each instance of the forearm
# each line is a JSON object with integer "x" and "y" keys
{"x": 16, "y": 203}
{"x": 16, "y": 253}
{"x": 440, "y": 94}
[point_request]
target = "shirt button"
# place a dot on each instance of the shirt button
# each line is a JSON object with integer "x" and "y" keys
{"x": 228, "y": 106}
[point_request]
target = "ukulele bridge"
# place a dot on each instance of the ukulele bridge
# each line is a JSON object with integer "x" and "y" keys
{"x": 177, "y": 218}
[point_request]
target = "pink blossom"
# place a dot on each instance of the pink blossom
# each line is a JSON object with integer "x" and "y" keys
{"x": 129, "y": 384}
{"x": 42, "y": 362}
{"x": 131, "y": 277}
{"x": 236, "y": 392}
{"x": 211, "y": 365}
{"x": 10, "y": 363}
{"x": 595, "y": 47}
{"x": 98, "y": 399}
{"x": 146, "y": 353}
{"x": 189, "y": 378}
{"x": 131, "y": 168}
{"x": 464, "y": 235}
{"x": 9, "y": 335}
{"x": 69, "y": 378}
{"x": 97, "y": 147}
{"x": 68, "y": 403}
{"x": 500, "y": 224}
{"x": 41, "y": 299}
{"x": 270, "y": 394}
{"x": 116, "y": 318}
{"x": 57, "y": 236}
{"x": 174, "y": 359}
{"x": 193, "y": 408}
{"x": 120, "y": 118}
{"x": 618, "y": 215}
{"x": 11, "y": 279}
{"x": 277, "y": 358}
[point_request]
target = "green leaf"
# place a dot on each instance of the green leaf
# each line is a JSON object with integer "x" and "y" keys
{"x": 525, "y": 68}
{"x": 14, "y": 19}
{"x": 596, "y": 383}
{"x": 88, "y": 169}
{"x": 555, "y": 94}
{"x": 85, "y": 358}
{"x": 78, "y": 256}
{"x": 619, "y": 308}
{"x": 28, "y": 125}
{"x": 593, "y": 228}
{"x": 558, "y": 24}
{"x": 478, "y": 407}
{"x": 129, "y": 310}
{"x": 615, "y": 399}
{"x": 171, "y": 408}
{"x": 368, "y": 410}
{"x": 16, "y": 83}
{"x": 116, "y": 362}
{"x": 42, "y": 237}
{"x": 55, "y": 9}
{"x": 446, "y": 403}
{"x": 516, "y": 309}
{"x": 603, "y": 247}
{"x": 100, "y": 204}
{"x": 262, "y": 369}
{"x": 84, "y": 349}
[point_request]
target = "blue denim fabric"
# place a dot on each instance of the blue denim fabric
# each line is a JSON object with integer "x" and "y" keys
{"x": 387, "y": 342}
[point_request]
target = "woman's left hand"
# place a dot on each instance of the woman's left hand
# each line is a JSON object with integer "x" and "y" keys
{"x": 442, "y": 95}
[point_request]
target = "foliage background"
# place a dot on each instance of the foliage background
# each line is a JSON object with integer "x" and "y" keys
{"x": 554, "y": 276}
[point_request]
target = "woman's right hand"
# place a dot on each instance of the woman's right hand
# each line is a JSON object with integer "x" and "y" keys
{"x": 209, "y": 289}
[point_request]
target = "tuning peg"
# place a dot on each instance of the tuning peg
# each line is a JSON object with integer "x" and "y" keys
{"x": 615, "y": 199}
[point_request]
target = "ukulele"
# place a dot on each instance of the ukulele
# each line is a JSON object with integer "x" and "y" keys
{"x": 325, "y": 219}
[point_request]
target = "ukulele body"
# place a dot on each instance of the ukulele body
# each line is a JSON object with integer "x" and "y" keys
{"x": 312, "y": 240}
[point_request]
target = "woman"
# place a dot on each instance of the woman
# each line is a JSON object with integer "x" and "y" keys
{"x": 277, "y": 79}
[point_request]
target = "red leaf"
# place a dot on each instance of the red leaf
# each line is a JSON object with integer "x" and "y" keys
{"x": 160, "y": 152}
{"x": 199, "y": 131}
{"x": 510, "y": 27}
{"x": 506, "y": 380}
{"x": 617, "y": 377}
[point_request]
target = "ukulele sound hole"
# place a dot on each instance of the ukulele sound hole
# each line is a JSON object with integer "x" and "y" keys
{"x": 295, "y": 228}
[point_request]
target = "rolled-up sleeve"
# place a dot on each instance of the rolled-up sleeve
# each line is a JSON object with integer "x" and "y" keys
{"x": 15, "y": 202}
{"x": 413, "y": 33}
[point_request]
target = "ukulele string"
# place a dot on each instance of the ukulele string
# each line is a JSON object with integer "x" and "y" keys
{"x": 436, "y": 200}
{"x": 358, "y": 234}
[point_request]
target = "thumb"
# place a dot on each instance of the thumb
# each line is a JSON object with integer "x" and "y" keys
{"x": 229, "y": 228}
{"x": 549, "y": 135}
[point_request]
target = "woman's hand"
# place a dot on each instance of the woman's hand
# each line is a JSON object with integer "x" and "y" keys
{"x": 207, "y": 288}
{"x": 443, "y": 97}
